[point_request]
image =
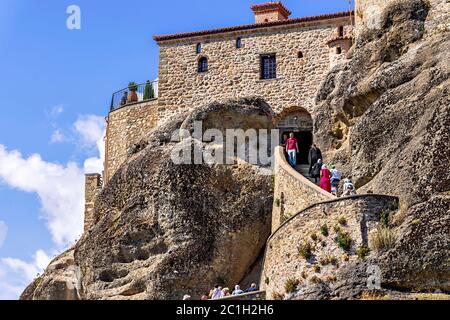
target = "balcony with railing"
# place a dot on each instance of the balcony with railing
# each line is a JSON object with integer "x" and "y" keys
{"x": 134, "y": 93}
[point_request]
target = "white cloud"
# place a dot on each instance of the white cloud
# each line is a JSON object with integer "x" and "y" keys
{"x": 56, "y": 111}
{"x": 90, "y": 128}
{"x": 9, "y": 291}
{"x": 42, "y": 260}
{"x": 52, "y": 115}
{"x": 29, "y": 270}
{"x": 92, "y": 132}
{"x": 16, "y": 274}
{"x": 60, "y": 190}
{"x": 60, "y": 187}
{"x": 57, "y": 136}
{"x": 93, "y": 165}
{"x": 3, "y": 232}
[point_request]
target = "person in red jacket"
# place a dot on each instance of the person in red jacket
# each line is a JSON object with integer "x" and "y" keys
{"x": 325, "y": 179}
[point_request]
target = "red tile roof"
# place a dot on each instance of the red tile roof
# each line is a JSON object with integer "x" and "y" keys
{"x": 254, "y": 26}
{"x": 271, "y": 6}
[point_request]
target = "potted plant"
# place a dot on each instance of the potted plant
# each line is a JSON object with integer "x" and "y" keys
{"x": 132, "y": 97}
{"x": 149, "y": 92}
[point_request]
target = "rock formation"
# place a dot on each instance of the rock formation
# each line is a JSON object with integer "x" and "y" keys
{"x": 163, "y": 230}
{"x": 59, "y": 282}
{"x": 384, "y": 116}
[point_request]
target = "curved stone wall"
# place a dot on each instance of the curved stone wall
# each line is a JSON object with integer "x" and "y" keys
{"x": 292, "y": 191}
{"x": 355, "y": 216}
{"x": 125, "y": 127}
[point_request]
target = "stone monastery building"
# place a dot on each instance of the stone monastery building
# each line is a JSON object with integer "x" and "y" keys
{"x": 280, "y": 59}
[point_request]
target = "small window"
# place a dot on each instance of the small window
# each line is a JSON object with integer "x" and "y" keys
{"x": 341, "y": 31}
{"x": 238, "y": 43}
{"x": 203, "y": 65}
{"x": 266, "y": 20}
{"x": 300, "y": 54}
{"x": 268, "y": 66}
{"x": 338, "y": 50}
{"x": 198, "y": 48}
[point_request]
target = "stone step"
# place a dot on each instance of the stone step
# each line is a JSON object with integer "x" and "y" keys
{"x": 304, "y": 171}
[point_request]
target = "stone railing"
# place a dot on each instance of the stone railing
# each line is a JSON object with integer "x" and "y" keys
{"x": 305, "y": 249}
{"x": 292, "y": 191}
{"x": 252, "y": 296}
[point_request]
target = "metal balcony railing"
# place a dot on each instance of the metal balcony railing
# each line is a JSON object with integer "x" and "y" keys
{"x": 144, "y": 92}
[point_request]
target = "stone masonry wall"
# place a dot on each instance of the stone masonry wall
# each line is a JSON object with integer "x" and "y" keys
{"x": 235, "y": 73}
{"x": 292, "y": 192}
{"x": 125, "y": 127}
{"x": 93, "y": 186}
{"x": 283, "y": 260}
{"x": 269, "y": 17}
{"x": 344, "y": 45}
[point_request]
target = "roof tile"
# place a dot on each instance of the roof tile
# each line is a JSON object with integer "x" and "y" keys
{"x": 254, "y": 26}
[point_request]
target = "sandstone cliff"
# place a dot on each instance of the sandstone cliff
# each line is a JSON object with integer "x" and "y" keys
{"x": 384, "y": 116}
{"x": 59, "y": 282}
{"x": 163, "y": 230}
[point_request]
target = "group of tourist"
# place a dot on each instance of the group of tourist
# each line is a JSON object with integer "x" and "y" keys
{"x": 218, "y": 292}
{"x": 330, "y": 177}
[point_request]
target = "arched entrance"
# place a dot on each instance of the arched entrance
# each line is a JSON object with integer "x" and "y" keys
{"x": 299, "y": 122}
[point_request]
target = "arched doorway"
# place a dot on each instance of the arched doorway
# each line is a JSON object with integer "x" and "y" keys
{"x": 299, "y": 122}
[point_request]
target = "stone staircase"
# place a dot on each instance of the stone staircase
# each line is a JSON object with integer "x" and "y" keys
{"x": 304, "y": 171}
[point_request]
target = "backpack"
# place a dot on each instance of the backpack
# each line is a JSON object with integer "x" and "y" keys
{"x": 315, "y": 173}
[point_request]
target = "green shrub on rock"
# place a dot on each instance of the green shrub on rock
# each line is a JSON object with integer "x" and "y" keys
{"x": 324, "y": 230}
{"x": 305, "y": 250}
{"x": 344, "y": 241}
{"x": 315, "y": 280}
{"x": 382, "y": 239}
{"x": 291, "y": 284}
{"x": 342, "y": 221}
{"x": 362, "y": 252}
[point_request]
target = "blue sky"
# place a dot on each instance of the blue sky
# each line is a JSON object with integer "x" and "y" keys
{"x": 55, "y": 88}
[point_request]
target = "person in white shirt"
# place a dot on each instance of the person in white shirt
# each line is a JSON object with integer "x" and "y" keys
{"x": 336, "y": 177}
{"x": 349, "y": 188}
{"x": 237, "y": 290}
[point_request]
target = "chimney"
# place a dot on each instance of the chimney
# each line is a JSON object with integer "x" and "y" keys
{"x": 270, "y": 12}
